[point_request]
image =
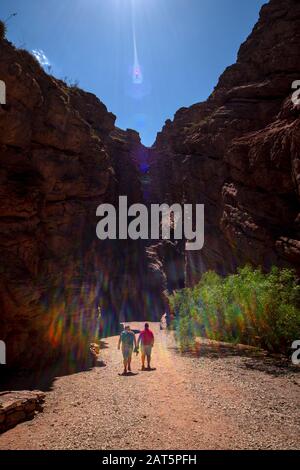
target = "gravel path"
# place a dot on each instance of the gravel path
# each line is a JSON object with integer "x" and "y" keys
{"x": 222, "y": 398}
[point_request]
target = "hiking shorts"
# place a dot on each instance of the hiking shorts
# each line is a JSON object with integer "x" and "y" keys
{"x": 146, "y": 349}
{"x": 127, "y": 352}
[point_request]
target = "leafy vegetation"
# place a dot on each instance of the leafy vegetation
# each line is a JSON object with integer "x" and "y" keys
{"x": 249, "y": 307}
{"x": 2, "y": 30}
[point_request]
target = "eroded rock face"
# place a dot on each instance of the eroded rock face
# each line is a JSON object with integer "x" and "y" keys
{"x": 16, "y": 407}
{"x": 238, "y": 153}
{"x": 60, "y": 157}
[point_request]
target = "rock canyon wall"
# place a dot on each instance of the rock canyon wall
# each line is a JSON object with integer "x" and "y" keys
{"x": 238, "y": 153}
{"x": 61, "y": 156}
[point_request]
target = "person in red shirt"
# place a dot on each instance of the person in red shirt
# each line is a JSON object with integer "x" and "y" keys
{"x": 146, "y": 340}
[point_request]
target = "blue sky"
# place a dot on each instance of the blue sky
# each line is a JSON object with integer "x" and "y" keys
{"x": 182, "y": 48}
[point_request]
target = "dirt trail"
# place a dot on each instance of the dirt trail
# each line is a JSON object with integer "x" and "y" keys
{"x": 224, "y": 399}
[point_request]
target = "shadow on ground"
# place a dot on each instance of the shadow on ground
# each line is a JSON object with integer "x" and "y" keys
{"x": 253, "y": 359}
{"x": 43, "y": 378}
{"x": 129, "y": 374}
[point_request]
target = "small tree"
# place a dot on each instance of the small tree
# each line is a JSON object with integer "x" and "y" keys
{"x": 2, "y": 30}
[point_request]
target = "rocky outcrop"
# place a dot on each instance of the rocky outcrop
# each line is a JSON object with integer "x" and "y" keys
{"x": 16, "y": 407}
{"x": 238, "y": 153}
{"x": 61, "y": 156}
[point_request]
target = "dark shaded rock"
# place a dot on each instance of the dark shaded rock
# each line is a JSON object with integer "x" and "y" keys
{"x": 61, "y": 157}
{"x": 16, "y": 407}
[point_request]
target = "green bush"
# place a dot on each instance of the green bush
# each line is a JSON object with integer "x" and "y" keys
{"x": 248, "y": 307}
{"x": 2, "y": 30}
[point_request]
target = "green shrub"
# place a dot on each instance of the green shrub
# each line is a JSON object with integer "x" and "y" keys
{"x": 2, "y": 30}
{"x": 248, "y": 307}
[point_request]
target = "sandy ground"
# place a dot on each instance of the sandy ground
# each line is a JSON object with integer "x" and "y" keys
{"x": 221, "y": 398}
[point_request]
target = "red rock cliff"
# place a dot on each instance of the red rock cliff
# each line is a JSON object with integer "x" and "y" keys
{"x": 61, "y": 156}
{"x": 238, "y": 153}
